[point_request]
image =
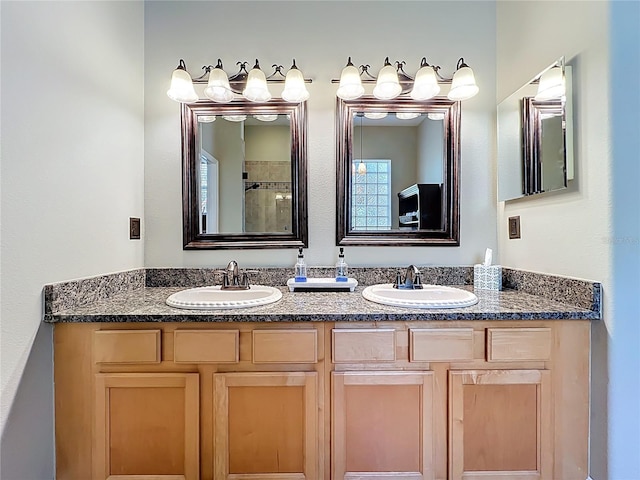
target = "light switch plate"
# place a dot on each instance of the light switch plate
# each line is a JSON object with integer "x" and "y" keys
{"x": 514, "y": 227}
{"x": 134, "y": 228}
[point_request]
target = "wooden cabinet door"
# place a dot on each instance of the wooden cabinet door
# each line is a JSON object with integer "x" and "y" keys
{"x": 382, "y": 425}
{"x": 266, "y": 426}
{"x": 500, "y": 425}
{"x": 146, "y": 426}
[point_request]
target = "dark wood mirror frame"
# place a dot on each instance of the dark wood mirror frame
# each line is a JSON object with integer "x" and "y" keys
{"x": 449, "y": 235}
{"x": 192, "y": 238}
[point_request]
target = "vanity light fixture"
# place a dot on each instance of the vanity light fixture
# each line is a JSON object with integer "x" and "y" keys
{"x": 252, "y": 84}
{"x": 392, "y": 82}
{"x": 206, "y": 118}
{"x": 435, "y": 116}
{"x": 551, "y": 85}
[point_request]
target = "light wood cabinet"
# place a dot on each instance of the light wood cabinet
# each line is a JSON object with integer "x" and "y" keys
{"x": 266, "y": 425}
{"x": 382, "y": 425}
{"x": 500, "y": 424}
{"x": 435, "y": 400}
{"x": 146, "y": 426}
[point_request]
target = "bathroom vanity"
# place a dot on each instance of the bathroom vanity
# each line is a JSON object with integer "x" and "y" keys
{"x": 322, "y": 386}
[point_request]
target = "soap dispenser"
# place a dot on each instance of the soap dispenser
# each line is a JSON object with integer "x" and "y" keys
{"x": 301, "y": 268}
{"x": 341, "y": 267}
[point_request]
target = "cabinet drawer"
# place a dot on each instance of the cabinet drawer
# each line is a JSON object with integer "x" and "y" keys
{"x": 441, "y": 344}
{"x": 206, "y": 346}
{"x": 514, "y": 344}
{"x": 126, "y": 346}
{"x": 363, "y": 345}
{"x": 285, "y": 346}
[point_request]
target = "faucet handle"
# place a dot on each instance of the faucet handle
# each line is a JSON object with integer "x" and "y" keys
{"x": 417, "y": 280}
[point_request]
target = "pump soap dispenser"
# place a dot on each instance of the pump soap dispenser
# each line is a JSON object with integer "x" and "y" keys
{"x": 300, "y": 268}
{"x": 341, "y": 267}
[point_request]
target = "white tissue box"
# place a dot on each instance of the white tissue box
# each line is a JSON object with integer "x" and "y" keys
{"x": 487, "y": 277}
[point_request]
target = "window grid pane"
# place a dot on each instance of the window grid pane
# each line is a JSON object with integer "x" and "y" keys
{"x": 371, "y": 197}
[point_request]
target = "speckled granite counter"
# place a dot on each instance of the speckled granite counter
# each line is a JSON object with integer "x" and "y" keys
{"x": 139, "y": 296}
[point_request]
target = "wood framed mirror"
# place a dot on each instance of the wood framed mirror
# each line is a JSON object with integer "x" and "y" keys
{"x": 398, "y": 164}
{"x": 244, "y": 175}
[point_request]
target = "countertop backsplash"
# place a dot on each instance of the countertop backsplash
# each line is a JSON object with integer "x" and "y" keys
{"x": 115, "y": 296}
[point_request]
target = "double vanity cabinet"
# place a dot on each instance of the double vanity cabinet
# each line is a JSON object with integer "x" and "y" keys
{"x": 320, "y": 400}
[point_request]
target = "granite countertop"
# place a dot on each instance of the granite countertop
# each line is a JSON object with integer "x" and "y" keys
{"x": 147, "y": 304}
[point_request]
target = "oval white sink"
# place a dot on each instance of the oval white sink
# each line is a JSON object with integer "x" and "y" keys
{"x": 430, "y": 296}
{"x": 209, "y": 298}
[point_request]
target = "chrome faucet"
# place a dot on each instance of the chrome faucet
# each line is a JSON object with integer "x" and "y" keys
{"x": 412, "y": 279}
{"x": 232, "y": 279}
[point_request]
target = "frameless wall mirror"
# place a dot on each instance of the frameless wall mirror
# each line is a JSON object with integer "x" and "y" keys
{"x": 397, "y": 172}
{"x": 244, "y": 175}
{"x": 535, "y": 135}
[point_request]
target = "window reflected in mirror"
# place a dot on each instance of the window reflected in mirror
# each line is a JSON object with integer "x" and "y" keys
{"x": 244, "y": 175}
{"x": 397, "y": 172}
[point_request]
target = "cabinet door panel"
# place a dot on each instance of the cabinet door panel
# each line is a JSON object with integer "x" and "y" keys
{"x": 266, "y": 425}
{"x": 146, "y": 426}
{"x": 382, "y": 425}
{"x": 500, "y": 424}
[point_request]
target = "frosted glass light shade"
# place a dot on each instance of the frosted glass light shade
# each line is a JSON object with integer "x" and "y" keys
{"x": 266, "y": 117}
{"x": 425, "y": 85}
{"x": 387, "y": 85}
{"x": 235, "y": 118}
{"x": 350, "y": 86}
{"x": 362, "y": 168}
{"x": 435, "y": 116}
{"x": 295, "y": 90}
{"x": 551, "y": 85}
{"x": 181, "y": 89}
{"x": 256, "y": 89}
{"x": 375, "y": 115}
{"x": 206, "y": 118}
{"x": 407, "y": 115}
{"x": 218, "y": 88}
{"x": 463, "y": 85}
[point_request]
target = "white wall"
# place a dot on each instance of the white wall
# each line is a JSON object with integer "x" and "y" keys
{"x": 573, "y": 232}
{"x": 320, "y": 36}
{"x": 72, "y": 175}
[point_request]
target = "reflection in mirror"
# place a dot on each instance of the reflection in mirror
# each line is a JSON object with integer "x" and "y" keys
{"x": 535, "y": 140}
{"x": 397, "y": 168}
{"x": 244, "y": 175}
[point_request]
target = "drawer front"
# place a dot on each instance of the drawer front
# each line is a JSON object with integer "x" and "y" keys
{"x": 440, "y": 344}
{"x": 206, "y": 346}
{"x": 516, "y": 344}
{"x": 126, "y": 346}
{"x": 285, "y": 346}
{"x": 363, "y": 345}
